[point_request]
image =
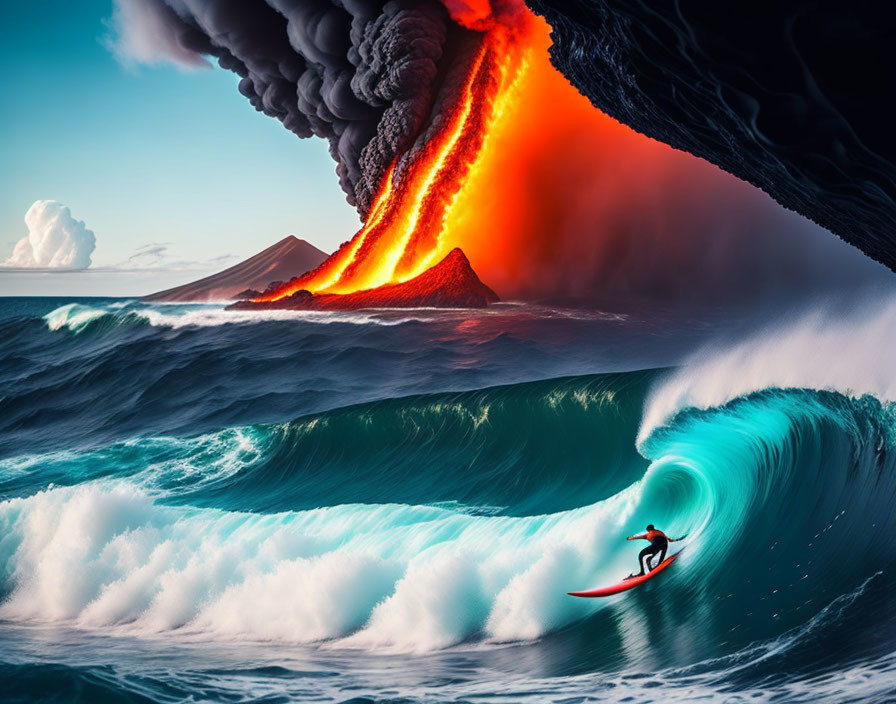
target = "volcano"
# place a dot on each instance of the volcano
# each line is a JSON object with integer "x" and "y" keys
{"x": 279, "y": 262}
{"x": 451, "y": 283}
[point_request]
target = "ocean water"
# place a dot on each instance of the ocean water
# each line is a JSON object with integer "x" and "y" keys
{"x": 391, "y": 507}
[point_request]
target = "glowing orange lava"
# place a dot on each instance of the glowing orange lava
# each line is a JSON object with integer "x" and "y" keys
{"x": 546, "y": 195}
{"x": 406, "y": 230}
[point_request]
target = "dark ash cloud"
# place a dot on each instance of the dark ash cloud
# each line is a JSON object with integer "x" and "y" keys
{"x": 362, "y": 74}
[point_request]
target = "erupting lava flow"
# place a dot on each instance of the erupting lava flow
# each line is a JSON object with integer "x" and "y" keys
{"x": 409, "y": 227}
{"x": 546, "y": 196}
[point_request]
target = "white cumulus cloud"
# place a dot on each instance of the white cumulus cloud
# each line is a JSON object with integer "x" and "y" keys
{"x": 55, "y": 240}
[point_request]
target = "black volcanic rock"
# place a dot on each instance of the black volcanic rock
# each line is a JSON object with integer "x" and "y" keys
{"x": 299, "y": 300}
{"x": 271, "y": 287}
{"x": 247, "y": 293}
{"x": 794, "y": 97}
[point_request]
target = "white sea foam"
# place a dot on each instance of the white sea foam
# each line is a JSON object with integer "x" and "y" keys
{"x": 196, "y": 462}
{"x": 412, "y": 578}
{"x": 854, "y": 355}
{"x": 73, "y": 316}
{"x": 163, "y": 464}
{"x": 178, "y": 317}
{"x": 76, "y": 317}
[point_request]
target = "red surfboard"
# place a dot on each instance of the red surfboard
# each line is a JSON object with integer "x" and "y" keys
{"x": 629, "y": 583}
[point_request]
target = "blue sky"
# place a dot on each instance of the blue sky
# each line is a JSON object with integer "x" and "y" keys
{"x": 144, "y": 155}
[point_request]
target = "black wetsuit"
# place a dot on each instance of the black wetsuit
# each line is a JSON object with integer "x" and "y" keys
{"x": 659, "y": 543}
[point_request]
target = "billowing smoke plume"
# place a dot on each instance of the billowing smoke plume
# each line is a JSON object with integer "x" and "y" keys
{"x": 55, "y": 240}
{"x": 362, "y": 74}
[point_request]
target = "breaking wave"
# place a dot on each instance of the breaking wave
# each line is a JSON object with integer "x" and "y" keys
{"x": 285, "y": 532}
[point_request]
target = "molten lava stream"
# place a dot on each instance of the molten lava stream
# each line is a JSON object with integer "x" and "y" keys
{"x": 328, "y": 273}
{"x": 403, "y": 233}
{"x": 407, "y": 237}
{"x": 547, "y": 196}
{"x": 486, "y": 102}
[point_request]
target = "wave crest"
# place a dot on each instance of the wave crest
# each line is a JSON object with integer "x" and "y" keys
{"x": 853, "y": 354}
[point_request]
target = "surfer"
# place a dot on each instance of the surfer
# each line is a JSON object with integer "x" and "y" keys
{"x": 659, "y": 543}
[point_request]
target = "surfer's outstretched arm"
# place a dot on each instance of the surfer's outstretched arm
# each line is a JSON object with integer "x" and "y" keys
{"x": 678, "y": 540}
{"x": 637, "y": 537}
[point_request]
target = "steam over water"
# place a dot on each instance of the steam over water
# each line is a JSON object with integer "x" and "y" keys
{"x": 392, "y": 506}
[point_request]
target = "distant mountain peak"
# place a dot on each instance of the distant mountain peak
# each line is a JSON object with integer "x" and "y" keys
{"x": 286, "y": 258}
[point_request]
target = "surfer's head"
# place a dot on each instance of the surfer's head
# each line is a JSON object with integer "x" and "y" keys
{"x": 650, "y": 526}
